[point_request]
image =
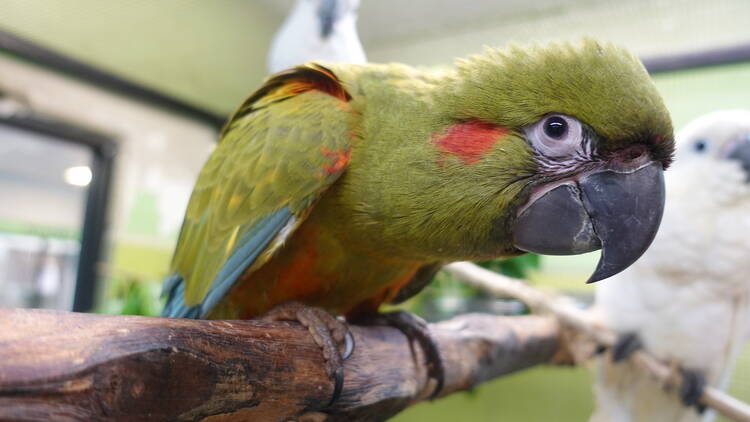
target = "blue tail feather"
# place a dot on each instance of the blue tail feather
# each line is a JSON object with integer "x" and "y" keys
{"x": 250, "y": 246}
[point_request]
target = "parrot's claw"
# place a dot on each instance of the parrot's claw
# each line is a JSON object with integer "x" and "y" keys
{"x": 693, "y": 382}
{"x": 348, "y": 345}
{"x": 415, "y": 328}
{"x": 625, "y": 345}
{"x": 330, "y": 333}
{"x": 600, "y": 349}
{"x": 691, "y": 389}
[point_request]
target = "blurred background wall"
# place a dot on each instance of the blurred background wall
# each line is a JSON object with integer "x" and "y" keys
{"x": 208, "y": 56}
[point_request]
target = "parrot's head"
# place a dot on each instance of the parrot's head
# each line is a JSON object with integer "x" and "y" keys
{"x": 708, "y": 203}
{"x": 581, "y": 141}
{"x": 721, "y": 138}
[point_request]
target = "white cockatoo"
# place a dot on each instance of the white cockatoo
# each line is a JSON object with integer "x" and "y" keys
{"x": 686, "y": 301}
{"x": 317, "y": 30}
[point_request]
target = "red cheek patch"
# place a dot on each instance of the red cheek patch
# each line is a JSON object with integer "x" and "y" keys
{"x": 469, "y": 140}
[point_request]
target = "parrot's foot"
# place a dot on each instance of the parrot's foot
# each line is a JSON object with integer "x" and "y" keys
{"x": 415, "y": 328}
{"x": 330, "y": 333}
{"x": 625, "y": 345}
{"x": 691, "y": 390}
{"x": 693, "y": 382}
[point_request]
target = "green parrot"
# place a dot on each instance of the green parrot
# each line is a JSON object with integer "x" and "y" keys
{"x": 345, "y": 186}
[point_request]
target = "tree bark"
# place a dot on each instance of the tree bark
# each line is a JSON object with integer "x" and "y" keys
{"x": 61, "y": 366}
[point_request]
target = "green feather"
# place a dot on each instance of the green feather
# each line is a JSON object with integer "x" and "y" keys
{"x": 399, "y": 198}
{"x": 272, "y": 157}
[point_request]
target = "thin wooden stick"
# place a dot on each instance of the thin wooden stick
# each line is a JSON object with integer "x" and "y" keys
{"x": 579, "y": 320}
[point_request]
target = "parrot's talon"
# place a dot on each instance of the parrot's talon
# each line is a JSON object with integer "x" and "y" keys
{"x": 330, "y": 333}
{"x": 625, "y": 345}
{"x": 415, "y": 328}
{"x": 691, "y": 389}
{"x": 338, "y": 385}
{"x": 348, "y": 345}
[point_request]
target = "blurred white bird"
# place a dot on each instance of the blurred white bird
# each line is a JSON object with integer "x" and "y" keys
{"x": 686, "y": 300}
{"x": 317, "y": 30}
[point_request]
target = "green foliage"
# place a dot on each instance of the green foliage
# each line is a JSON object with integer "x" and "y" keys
{"x": 129, "y": 296}
{"x": 137, "y": 301}
{"x": 447, "y": 296}
{"x": 517, "y": 267}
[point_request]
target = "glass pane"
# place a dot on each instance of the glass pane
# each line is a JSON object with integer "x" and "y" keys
{"x": 43, "y": 186}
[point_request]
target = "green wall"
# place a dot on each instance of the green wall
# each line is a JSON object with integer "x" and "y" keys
{"x": 692, "y": 93}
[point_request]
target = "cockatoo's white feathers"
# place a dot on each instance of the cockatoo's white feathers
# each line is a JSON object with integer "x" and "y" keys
{"x": 323, "y": 30}
{"x": 687, "y": 297}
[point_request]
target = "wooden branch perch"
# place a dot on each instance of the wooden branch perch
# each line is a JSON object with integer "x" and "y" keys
{"x": 80, "y": 367}
{"x": 580, "y": 320}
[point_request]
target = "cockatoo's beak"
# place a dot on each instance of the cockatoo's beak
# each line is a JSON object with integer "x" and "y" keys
{"x": 327, "y": 16}
{"x": 617, "y": 211}
{"x": 741, "y": 153}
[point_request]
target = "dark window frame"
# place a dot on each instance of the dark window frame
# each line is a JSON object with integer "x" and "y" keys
{"x": 47, "y": 58}
{"x": 103, "y": 150}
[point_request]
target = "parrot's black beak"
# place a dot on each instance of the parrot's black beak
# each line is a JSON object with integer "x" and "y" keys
{"x": 741, "y": 153}
{"x": 617, "y": 211}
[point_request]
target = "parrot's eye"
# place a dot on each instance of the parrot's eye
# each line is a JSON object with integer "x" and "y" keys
{"x": 700, "y": 145}
{"x": 555, "y": 127}
{"x": 556, "y": 135}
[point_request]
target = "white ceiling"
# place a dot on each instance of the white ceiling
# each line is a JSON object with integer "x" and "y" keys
{"x": 433, "y": 32}
{"x": 398, "y": 21}
{"x": 212, "y": 53}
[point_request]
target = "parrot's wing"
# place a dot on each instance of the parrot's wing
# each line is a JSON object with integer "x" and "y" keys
{"x": 278, "y": 153}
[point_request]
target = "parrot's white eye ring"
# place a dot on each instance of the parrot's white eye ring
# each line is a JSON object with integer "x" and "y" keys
{"x": 556, "y": 135}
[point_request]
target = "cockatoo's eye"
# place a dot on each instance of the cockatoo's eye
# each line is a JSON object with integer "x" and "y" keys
{"x": 701, "y": 145}
{"x": 556, "y": 135}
